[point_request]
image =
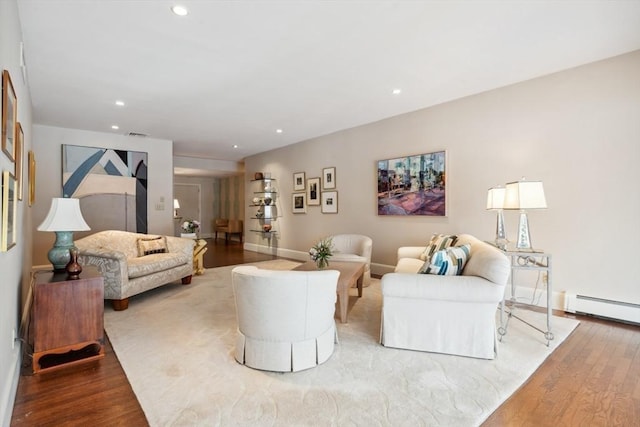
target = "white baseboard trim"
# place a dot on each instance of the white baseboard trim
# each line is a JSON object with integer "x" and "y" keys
{"x": 617, "y": 310}
{"x": 9, "y": 393}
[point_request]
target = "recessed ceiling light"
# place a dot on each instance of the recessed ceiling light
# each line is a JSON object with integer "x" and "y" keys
{"x": 278, "y": 130}
{"x": 115, "y": 127}
{"x": 396, "y": 91}
{"x": 120, "y": 103}
{"x": 179, "y": 10}
{"x": 235, "y": 145}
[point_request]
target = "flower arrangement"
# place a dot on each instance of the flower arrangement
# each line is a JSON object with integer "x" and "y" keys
{"x": 321, "y": 252}
{"x": 191, "y": 226}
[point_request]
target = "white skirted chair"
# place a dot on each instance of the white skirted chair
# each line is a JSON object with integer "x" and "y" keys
{"x": 285, "y": 318}
{"x": 445, "y": 314}
{"x": 353, "y": 247}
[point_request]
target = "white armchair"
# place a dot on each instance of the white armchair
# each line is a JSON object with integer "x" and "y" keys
{"x": 353, "y": 247}
{"x": 445, "y": 314}
{"x": 285, "y": 318}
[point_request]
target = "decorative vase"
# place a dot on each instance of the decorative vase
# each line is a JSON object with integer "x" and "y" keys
{"x": 266, "y": 227}
{"x": 73, "y": 268}
{"x": 189, "y": 235}
{"x": 322, "y": 263}
{"x": 267, "y": 201}
{"x": 258, "y": 176}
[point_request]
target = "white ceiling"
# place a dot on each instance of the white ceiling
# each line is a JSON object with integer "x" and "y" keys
{"x": 232, "y": 72}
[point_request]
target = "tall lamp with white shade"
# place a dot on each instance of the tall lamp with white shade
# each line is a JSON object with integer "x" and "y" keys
{"x": 176, "y": 206}
{"x": 524, "y": 195}
{"x": 64, "y": 218}
{"x": 495, "y": 202}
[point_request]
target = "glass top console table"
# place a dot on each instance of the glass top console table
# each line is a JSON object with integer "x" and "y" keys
{"x": 526, "y": 260}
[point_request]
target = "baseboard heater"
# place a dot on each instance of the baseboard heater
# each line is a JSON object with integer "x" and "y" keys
{"x": 610, "y": 309}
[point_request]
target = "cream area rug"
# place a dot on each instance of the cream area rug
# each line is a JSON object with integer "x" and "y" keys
{"x": 176, "y": 343}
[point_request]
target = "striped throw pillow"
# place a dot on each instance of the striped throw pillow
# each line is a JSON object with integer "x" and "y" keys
{"x": 438, "y": 242}
{"x": 447, "y": 262}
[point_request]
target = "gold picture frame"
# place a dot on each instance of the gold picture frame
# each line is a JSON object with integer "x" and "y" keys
{"x": 19, "y": 157}
{"x": 32, "y": 178}
{"x": 9, "y": 209}
{"x": 9, "y": 115}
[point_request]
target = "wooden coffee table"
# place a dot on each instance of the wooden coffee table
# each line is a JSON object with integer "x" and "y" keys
{"x": 350, "y": 273}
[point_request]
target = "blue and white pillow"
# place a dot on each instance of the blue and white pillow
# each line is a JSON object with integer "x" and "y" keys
{"x": 438, "y": 242}
{"x": 447, "y": 262}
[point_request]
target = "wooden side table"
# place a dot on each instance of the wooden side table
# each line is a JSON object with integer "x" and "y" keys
{"x": 67, "y": 319}
{"x": 198, "y": 252}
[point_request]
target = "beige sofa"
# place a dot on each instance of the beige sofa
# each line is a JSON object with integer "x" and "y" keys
{"x": 445, "y": 314}
{"x": 132, "y": 263}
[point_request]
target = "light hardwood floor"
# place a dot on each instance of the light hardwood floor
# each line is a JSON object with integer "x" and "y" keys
{"x": 593, "y": 379}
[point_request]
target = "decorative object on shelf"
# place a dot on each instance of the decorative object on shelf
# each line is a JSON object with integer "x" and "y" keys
{"x": 267, "y": 201}
{"x": 64, "y": 218}
{"x": 258, "y": 176}
{"x": 299, "y": 202}
{"x": 9, "y": 211}
{"x": 522, "y": 195}
{"x": 329, "y": 202}
{"x": 413, "y": 185}
{"x": 313, "y": 191}
{"x": 176, "y": 206}
{"x": 266, "y": 227}
{"x": 298, "y": 181}
{"x": 495, "y": 202}
{"x": 328, "y": 178}
{"x": 321, "y": 252}
{"x": 73, "y": 268}
{"x": 190, "y": 226}
{"x": 9, "y": 116}
{"x": 256, "y": 201}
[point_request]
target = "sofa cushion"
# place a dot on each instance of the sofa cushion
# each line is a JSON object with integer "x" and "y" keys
{"x": 438, "y": 242}
{"x": 152, "y": 245}
{"x": 447, "y": 262}
{"x": 142, "y": 266}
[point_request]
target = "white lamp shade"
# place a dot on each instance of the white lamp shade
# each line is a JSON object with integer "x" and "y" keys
{"x": 64, "y": 215}
{"x": 495, "y": 198}
{"x": 524, "y": 195}
{"x": 176, "y": 204}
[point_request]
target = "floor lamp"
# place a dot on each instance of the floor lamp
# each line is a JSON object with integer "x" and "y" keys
{"x": 523, "y": 195}
{"x": 495, "y": 202}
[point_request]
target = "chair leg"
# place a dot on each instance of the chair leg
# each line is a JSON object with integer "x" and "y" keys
{"x": 120, "y": 304}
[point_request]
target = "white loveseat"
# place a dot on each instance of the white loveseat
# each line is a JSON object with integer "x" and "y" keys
{"x": 445, "y": 314}
{"x": 285, "y": 318}
{"x": 127, "y": 271}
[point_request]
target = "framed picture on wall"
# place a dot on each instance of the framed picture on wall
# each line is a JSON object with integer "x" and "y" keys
{"x": 298, "y": 181}
{"x": 299, "y": 202}
{"x": 330, "y": 202}
{"x": 313, "y": 191}
{"x": 9, "y": 115}
{"x": 328, "y": 178}
{"x": 32, "y": 178}
{"x": 19, "y": 157}
{"x": 8, "y": 211}
{"x": 413, "y": 185}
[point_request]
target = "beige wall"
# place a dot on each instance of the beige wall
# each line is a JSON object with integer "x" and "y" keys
{"x": 15, "y": 264}
{"x": 47, "y": 142}
{"x": 578, "y": 131}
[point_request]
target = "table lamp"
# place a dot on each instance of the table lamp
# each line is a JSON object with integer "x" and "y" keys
{"x": 495, "y": 202}
{"x": 64, "y": 218}
{"x": 523, "y": 195}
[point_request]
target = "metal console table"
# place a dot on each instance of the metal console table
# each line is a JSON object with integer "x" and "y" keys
{"x": 527, "y": 260}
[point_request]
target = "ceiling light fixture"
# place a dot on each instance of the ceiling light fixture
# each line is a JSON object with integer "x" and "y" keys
{"x": 179, "y": 10}
{"x": 115, "y": 127}
{"x": 120, "y": 103}
{"x": 235, "y": 145}
{"x": 396, "y": 91}
{"x": 278, "y": 130}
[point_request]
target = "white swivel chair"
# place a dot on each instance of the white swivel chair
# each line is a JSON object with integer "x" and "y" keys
{"x": 285, "y": 318}
{"x": 353, "y": 247}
